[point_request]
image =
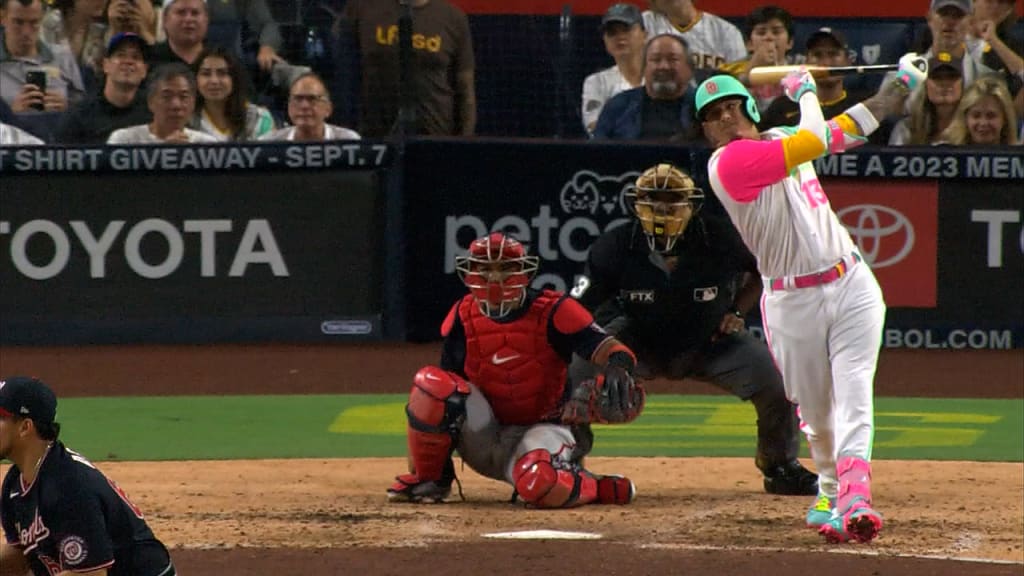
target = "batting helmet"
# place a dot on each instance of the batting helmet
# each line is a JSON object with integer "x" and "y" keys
{"x": 721, "y": 87}
{"x": 664, "y": 199}
{"x": 497, "y": 271}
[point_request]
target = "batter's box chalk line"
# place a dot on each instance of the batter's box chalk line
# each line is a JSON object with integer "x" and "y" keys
{"x": 846, "y": 550}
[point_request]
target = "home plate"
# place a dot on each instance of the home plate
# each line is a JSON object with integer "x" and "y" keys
{"x": 543, "y": 535}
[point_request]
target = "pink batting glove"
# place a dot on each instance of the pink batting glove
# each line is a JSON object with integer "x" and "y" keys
{"x": 797, "y": 83}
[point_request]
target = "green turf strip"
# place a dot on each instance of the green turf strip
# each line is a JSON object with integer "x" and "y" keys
{"x": 234, "y": 427}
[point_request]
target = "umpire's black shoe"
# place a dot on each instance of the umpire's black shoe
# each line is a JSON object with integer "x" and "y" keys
{"x": 791, "y": 479}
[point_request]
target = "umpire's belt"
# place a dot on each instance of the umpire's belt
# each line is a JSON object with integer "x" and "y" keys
{"x": 831, "y": 274}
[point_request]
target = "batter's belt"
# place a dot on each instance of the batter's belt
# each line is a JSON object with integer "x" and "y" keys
{"x": 830, "y": 274}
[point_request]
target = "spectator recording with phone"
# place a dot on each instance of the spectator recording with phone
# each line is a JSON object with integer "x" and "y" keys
{"x": 34, "y": 75}
{"x": 135, "y": 16}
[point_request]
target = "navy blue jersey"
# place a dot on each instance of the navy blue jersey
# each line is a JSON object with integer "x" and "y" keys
{"x": 73, "y": 518}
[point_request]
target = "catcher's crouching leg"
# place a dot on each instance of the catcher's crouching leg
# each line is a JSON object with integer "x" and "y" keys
{"x": 548, "y": 483}
{"x": 436, "y": 410}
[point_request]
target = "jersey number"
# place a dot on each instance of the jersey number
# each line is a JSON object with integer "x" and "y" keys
{"x": 814, "y": 192}
{"x": 582, "y": 283}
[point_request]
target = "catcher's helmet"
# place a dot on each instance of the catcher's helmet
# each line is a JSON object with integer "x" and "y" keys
{"x": 497, "y": 271}
{"x": 721, "y": 87}
{"x": 664, "y": 199}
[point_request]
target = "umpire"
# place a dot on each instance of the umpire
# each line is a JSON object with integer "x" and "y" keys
{"x": 60, "y": 514}
{"x": 674, "y": 287}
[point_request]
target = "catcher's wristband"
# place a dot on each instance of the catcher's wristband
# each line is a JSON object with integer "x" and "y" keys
{"x": 622, "y": 359}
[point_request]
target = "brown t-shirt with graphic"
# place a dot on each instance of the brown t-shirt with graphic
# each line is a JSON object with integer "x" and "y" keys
{"x": 442, "y": 48}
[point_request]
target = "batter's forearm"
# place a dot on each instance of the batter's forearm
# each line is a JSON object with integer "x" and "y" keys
{"x": 749, "y": 294}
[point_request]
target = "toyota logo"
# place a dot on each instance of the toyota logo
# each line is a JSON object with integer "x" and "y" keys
{"x": 885, "y": 236}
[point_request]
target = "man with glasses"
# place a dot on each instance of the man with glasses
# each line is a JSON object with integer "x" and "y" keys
{"x": 121, "y": 103}
{"x": 674, "y": 286}
{"x": 309, "y": 106}
{"x": 172, "y": 100}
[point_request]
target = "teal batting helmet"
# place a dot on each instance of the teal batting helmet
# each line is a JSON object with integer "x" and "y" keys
{"x": 724, "y": 86}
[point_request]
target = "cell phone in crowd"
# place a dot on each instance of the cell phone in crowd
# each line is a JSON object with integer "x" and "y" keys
{"x": 36, "y": 78}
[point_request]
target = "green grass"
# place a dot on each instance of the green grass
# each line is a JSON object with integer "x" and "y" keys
{"x": 329, "y": 426}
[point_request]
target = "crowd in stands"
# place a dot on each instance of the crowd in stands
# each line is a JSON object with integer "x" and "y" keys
{"x": 146, "y": 71}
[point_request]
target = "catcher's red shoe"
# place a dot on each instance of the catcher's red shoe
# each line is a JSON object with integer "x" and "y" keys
{"x": 409, "y": 488}
{"x": 615, "y": 489}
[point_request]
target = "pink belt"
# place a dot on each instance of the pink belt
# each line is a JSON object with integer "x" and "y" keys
{"x": 818, "y": 278}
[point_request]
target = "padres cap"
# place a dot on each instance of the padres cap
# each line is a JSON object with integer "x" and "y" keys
{"x": 945, "y": 61}
{"x": 627, "y": 14}
{"x": 24, "y": 397}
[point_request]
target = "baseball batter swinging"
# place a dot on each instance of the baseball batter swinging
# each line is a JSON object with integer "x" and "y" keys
{"x": 822, "y": 307}
{"x": 501, "y": 397}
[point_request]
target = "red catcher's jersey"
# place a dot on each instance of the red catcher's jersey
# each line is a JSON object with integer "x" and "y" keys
{"x": 520, "y": 364}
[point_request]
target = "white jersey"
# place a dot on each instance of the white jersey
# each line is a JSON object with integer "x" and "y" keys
{"x": 331, "y": 132}
{"x": 598, "y": 89}
{"x": 142, "y": 135}
{"x": 790, "y": 226}
{"x": 14, "y": 136}
{"x": 713, "y": 40}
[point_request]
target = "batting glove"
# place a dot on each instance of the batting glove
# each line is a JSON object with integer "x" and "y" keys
{"x": 913, "y": 70}
{"x": 797, "y": 83}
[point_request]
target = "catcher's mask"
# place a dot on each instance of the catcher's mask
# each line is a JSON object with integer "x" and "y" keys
{"x": 664, "y": 199}
{"x": 497, "y": 271}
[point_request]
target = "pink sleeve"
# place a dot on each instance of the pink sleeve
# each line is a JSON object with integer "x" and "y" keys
{"x": 745, "y": 167}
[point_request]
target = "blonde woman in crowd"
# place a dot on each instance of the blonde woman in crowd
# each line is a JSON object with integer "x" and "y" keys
{"x": 222, "y": 110}
{"x": 932, "y": 105}
{"x": 985, "y": 116}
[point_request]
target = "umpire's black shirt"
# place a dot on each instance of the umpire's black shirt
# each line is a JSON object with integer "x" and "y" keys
{"x": 667, "y": 312}
{"x": 73, "y": 518}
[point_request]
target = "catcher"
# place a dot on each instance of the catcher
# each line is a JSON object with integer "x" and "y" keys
{"x": 667, "y": 286}
{"x": 501, "y": 398}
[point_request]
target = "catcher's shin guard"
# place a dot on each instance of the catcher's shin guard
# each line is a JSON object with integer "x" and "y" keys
{"x": 436, "y": 410}
{"x": 547, "y": 483}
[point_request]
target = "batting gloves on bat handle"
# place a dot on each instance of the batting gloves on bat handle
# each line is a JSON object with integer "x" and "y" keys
{"x": 913, "y": 69}
{"x": 797, "y": 83}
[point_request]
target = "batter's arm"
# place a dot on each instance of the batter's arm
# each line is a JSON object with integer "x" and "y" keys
{"x": 12, "y": 561}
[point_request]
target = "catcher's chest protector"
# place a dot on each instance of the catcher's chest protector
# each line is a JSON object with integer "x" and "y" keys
{"x": 512, "y": 363}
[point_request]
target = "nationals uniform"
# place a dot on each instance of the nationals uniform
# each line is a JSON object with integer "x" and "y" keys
{"x": 822, "y": 308}
{"x": 72, "y": 518}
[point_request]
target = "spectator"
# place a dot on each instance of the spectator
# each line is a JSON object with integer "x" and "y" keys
{"x": 985, "y": 115}
{"x": 120, "y": 103}
{"x": 768, "y": 31}
{"x": 825, "y": 47}
{"x": 309, "y": 106}
{"x": 172, "y": 100}
{"x": 259, "y": 27}
{"x": 135, "y": 16}
{"x": 443, "y": 66}
{"x": 222, "y": 110}
{"x": 932, "y": 105}
{"x": 623, "y": 30}
{"x": 78, "y": 26}
{"x": 14, "y": 136}
{"x": 186, "y": 22}
{"x": 661, "y": 109}
{"x": 713, "y": 41}
{"x": 22, "y": 51}
{"x": 992, "y": 35}
{"x": 948, "y": 24}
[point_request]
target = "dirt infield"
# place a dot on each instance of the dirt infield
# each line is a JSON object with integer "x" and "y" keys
{"x": 693, "y": 516}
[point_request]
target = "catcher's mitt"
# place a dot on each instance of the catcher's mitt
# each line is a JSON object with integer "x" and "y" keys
{"x": 612, "y": 398}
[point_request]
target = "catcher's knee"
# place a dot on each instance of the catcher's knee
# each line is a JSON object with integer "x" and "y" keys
{"x": 540, "y": 482}
{"x": 437, "y": 402}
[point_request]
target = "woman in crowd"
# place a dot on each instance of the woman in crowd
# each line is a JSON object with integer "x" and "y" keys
{"x": 931, "y": 107}
{"x": 985, "y": 116}
{"x": 77, "y": 25}
{"x": 222, "y": 109}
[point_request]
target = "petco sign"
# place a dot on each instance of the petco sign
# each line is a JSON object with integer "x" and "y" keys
{"x": 895, "y": 226}
{"x": 589, "y": 203}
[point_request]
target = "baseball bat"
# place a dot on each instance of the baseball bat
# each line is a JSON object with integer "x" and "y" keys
{"x": 773, "y": 74}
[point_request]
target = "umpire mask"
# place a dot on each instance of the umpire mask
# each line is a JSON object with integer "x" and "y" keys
{"x": 664, "y": 199}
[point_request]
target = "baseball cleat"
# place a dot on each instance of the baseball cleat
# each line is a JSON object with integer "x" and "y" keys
{"x": 790, "y": 479}
{"x": 863, "y": 523}
{"x": 409, "y": 488}
{"x": 833, "y": 531}
{"x": 820, "y": 513}
{"x": 614, "y": 489}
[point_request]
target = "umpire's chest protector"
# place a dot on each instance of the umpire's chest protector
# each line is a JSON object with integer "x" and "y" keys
{"x": 513, "y": 363}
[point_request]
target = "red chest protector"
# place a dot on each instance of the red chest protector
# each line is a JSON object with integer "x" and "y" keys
{"x": 512, "y": 363}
